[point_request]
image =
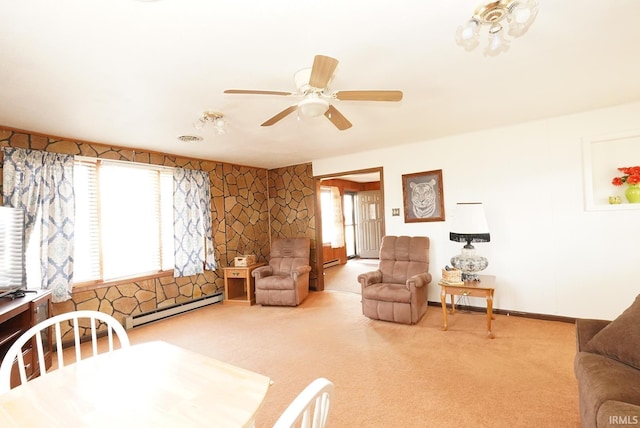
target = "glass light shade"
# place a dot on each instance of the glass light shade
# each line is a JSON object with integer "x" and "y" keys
{"x": 312, "y": 107}
{"x": 497, "y": 42}
{"x": 468, "y": 35}
{"x": 220, "y": 126}
{"x": 521, "y": 16}
{"x": 199, "y": 124}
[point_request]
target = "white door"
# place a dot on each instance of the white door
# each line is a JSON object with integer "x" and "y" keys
{"x": 369, "y": 227}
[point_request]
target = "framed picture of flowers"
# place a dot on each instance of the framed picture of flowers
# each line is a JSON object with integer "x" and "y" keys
{"x": 612, "y": 171}
{"x": 423, "y": 196}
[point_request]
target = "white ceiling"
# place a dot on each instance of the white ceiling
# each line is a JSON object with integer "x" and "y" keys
{"x": 138, "y": 74}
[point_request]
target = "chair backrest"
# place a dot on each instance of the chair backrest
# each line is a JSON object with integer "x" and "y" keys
{"x": 78, "y": 320}
{"x": 310, "y": 408}
{"x": 401, "y": 257}
{"x": 288, "y": 254}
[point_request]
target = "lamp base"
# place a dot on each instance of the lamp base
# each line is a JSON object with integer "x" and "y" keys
{"x": 469, "y": 263}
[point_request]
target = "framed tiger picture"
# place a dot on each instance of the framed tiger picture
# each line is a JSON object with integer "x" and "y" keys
{"x": 423, "y": 196}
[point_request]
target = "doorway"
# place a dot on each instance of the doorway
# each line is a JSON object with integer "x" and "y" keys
{"x": 355, "y": 216}
{"x": 350, "y": 234}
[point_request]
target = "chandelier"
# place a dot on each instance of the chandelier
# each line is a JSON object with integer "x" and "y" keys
{"x": 213, "y": 117}
{"x": 518, "y": 14}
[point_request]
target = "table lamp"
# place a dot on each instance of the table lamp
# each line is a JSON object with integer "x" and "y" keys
{"x": 469, "y": 225}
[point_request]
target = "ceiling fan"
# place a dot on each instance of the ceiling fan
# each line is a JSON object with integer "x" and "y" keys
{"x": 312, "y": 87}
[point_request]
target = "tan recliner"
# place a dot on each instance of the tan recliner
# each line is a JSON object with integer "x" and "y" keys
{"x": 285, "y": 282}
{"x": 397, "y": 291}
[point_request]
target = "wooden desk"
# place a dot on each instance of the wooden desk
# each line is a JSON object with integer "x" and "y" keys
{"x": 153, "y": 384}
{"x": 482, "y": 288}
{"x": 17, "y": 315}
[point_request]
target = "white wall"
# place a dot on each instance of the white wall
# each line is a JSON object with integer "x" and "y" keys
{"x": 549, "y": 254}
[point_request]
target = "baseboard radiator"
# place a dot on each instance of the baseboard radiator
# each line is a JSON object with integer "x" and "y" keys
{"x": 169, "y": 311}
{"x": 330, "y": 263}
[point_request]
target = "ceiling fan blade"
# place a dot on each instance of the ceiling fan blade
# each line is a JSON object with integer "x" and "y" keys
{"x": 281, "y": 115}
{"x": 257, "y": 92}
{"x": 369, "y": 95}
{"x": 322, "y": 70}
{"x": 337, "y": 118}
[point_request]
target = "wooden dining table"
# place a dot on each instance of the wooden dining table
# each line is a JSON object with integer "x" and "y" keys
{"x": 152, "y": 384}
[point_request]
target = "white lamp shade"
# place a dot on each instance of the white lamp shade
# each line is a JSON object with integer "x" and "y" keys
{"x": 470, "y": 223}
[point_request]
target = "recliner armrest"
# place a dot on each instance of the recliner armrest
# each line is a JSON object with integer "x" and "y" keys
{"x": 262, "y": 272}
{"x": 369, "y": 278}
{"x": 419, "y": 280}
{"x": 299, "y": 271}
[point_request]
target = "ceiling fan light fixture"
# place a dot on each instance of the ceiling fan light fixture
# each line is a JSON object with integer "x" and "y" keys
{"x": 511, "y": 16}
{"x": 312, "y": 106}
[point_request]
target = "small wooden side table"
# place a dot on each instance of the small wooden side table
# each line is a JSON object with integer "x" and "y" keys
{"x": 482, "y": 288}
{"x": 239, "y": 285}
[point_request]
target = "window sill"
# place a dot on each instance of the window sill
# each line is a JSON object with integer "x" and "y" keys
{"x": 88, "y": 286}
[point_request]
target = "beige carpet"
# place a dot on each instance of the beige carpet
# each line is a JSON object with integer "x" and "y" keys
{"x": 391, "y": 375}
{"x": 345, "y": 277}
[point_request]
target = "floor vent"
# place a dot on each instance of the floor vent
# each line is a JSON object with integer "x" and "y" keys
{"x": 169, "y": 311}
{"x": 331, "y": 263}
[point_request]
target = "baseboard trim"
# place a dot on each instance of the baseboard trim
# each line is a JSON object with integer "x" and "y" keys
{"x": 507, "y": 312}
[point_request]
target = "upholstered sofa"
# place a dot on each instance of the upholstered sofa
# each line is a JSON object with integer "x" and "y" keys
{"x": 607, "y": 367}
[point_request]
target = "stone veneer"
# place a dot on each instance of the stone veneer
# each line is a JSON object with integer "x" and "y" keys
{"x": 248, "y": 206}
{"x": 292, "y": 208}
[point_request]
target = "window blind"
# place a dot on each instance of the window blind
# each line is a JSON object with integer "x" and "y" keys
{"x": 87, "y": 228}
{"x": 12, "y": 256}
{"x": 123, "y": 219}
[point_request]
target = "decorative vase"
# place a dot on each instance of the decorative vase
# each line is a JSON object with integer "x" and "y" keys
{"x": 633, "y": 193}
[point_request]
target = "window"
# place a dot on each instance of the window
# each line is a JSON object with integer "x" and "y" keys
{"x": 12, "y": 266}
{"x": 328, "y": 225}
{"x": 124, "y": 220}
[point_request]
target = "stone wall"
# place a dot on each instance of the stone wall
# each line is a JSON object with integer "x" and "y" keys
{"x": 240, "y": 217}
{"x": 292, "y": 208}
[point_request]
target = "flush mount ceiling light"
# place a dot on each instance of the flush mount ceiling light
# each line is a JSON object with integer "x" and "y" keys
{"x": 213, "y": 117}
{"x": 518, "y": 14}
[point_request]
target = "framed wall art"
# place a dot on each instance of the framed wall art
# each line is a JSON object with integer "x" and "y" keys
{"x": 423, "y": 196}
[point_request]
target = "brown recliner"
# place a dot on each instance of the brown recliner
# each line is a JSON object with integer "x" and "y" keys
{"x": 285, "y": 281}
{"x": 397, "y": 291}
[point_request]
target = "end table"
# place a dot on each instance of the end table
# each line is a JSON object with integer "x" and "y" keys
{"x": 482, "y": 288}
{"x": 239, "y": 285}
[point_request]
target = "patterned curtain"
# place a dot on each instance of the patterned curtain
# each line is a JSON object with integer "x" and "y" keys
{"x": 193, "y": 241}
{"x": 41, "y": 184}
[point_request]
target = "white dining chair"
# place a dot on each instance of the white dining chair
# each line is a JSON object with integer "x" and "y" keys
{"x": 78, "y": 320}
{"x": 310, "y": 408}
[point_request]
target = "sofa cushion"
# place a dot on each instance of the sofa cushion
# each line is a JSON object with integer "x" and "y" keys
{"x": 619, "y": 340}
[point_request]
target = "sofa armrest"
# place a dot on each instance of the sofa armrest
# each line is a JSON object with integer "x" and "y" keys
{"x": 586, "y": 329}
{"x": 612, "y": 413}
{"x": 369, "y": 278}
{"x": 299, "y": 271}
{"x": 262, "y": 272}
{"x": 419, "y": 280}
